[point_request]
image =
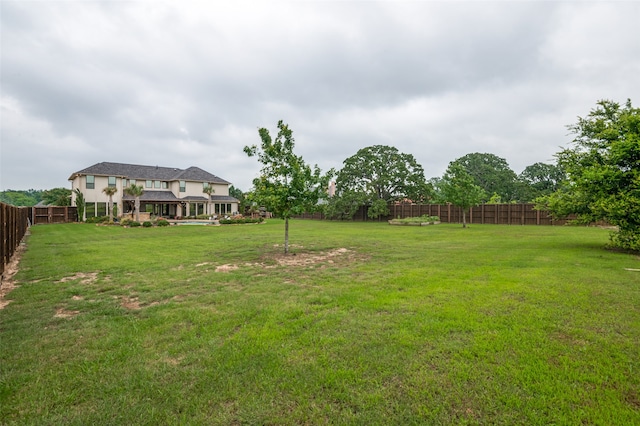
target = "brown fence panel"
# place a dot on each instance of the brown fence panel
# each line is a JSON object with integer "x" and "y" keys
{"x": 14, "y": 222}
{"x": 498, "y": 214}
{"x": 54, "y": 214}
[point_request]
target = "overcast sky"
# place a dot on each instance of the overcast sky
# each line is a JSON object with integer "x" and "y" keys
{"x": 180, "y": 83}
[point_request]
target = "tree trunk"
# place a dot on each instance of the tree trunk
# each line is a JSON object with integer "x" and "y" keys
{"x": 137, "y": 209}
{"x": 464, "y": 218}
{"x": 110, "y": 208}
{"x": 286, "y": 235}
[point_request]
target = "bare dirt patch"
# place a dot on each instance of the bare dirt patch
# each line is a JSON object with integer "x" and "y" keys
{"x": 133, "y": 303}
{"x": 65, "y": 313}
{"x": 85, "y": 278}
{"x": 308, "y": 259}
{"x": 7, "y": 283}
{"x": 226, "y": 268}
{"x": 298, "y": 259}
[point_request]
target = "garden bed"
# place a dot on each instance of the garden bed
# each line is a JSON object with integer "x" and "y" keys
{"x": 416, "y": 221}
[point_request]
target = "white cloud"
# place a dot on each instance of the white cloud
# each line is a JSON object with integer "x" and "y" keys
{"x": 189, "y": 83}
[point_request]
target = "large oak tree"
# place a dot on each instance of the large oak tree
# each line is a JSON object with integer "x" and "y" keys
{"x": 492, "y": 174}
{"x": 380, "y": 174}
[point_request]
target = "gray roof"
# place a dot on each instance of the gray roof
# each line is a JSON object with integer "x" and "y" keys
{"x": 154, "y": 196}
{"x": 138, "y": 172}
{"x": 169, "y": 197}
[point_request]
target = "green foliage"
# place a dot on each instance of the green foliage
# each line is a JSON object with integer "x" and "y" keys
{"x": 80, "y": 203}
{"x": 57, "y": 197}
{"x": 538, "y": 180}
{"x": 603, "y": 169}
{"x": 147, "y": 224}
{"x": 492, "y": 174}
{"x": 133, "y": 223}
{"x": 135, "y": 191}
{"x": 380, "y": 174}
{"x": 286, "y": 185}
{"x": 458, "y": 188}
{"x": 240, "y": 220}
{"x": 345, "y": 205}
{"x": 162, "y": 222}
{"x": 98, "y": 219}
{"x": 110, "y": 191}
{"x": 27, "y": 198}
{"x": 419, "y": 219}
{"x": 240, "y": 196}
{"x": 495, "y": 199}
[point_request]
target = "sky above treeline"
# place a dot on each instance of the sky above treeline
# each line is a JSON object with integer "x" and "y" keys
{"x": 184, "y": 83}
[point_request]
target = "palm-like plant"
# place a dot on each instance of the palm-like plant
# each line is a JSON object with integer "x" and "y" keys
{"x": 135, "y": 191}
{"x": 209, "y": 190}
{"x": 80, "y": 204}
{"x": 110, "y": 191}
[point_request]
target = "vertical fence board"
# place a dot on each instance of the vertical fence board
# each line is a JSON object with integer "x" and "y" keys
{"x": 14, "y": 222}
{"x": 498, "y": 214}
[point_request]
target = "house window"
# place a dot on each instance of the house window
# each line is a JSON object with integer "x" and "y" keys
{"x": 148, "y": 184}
{"x": 156, "y": 184}
{"x": 183, "y": 186}
{"x": 101, "y": 209}
{"x": 90, "y": 209}
{"x": 124, "y": 183}
{"x": 205, "y": 185}
{"x": 165, "y": 185}
{"x": 91, "y": 182}
{"x": 132, "y": 182}
{"x": 112, "y": 181}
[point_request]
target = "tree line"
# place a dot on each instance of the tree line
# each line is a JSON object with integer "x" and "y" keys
{"x": 31, "y": 197}
{"x": 597, "y": 178}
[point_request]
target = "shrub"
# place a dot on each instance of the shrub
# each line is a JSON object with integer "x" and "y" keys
{"x": 162, "y": 222}
{"x": 625, "y": 240}
{"x": 98, "y": 219}
{"x": 241, "y": 221}
{"x": 134, "y": 224}
{"x": 147, "y": 224}
{"x": 421, "y": 219}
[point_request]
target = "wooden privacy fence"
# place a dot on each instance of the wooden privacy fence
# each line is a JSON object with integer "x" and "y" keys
{"x": 14, "y": 222}
{"x": 498, "y": 214}
{"x": 52, "y": 214}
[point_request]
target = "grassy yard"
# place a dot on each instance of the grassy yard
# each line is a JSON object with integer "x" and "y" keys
{"x": 364, "y": 323}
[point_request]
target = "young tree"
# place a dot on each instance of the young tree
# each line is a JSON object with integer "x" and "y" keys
{"x": 286, "y": 185}
{"x": 208, "y": 190}
{"x": 458, "y": 188}
{"x": 603, "y": 172}
{"x": 135, "y": 191}
{"x": 382, "y": 174}
{"x": 80, "y": 204}
{"x": 110, "y": 191}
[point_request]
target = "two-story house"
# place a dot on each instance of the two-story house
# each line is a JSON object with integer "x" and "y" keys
{"x": 168, "y": 191}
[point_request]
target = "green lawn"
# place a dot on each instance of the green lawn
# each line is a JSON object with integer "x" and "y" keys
{"x": 364, "y": 323}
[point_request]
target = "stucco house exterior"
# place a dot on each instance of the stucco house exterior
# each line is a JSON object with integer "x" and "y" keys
{"x": 168, "y": 191}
